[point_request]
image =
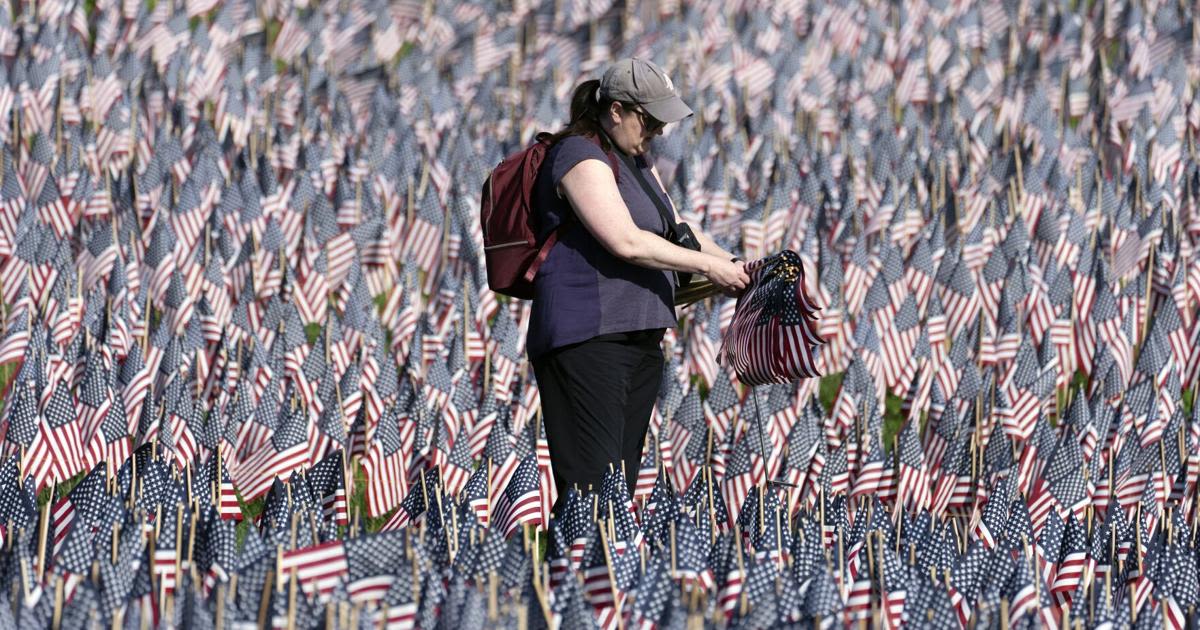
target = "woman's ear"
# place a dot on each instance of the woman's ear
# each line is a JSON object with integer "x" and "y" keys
{"x": 614, "y": 112}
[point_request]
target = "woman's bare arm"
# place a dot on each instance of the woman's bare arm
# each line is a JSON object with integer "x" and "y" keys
{"x": 593, "y": 193}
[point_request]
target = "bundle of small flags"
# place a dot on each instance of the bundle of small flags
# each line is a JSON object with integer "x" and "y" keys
{"x": 773, "y": 336}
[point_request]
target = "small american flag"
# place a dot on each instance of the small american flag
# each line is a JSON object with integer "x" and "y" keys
{"x": 519, "y": 504}
{"x": 318, "y": 569}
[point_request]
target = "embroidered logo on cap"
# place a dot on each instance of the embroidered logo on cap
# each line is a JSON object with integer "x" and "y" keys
{"x": 666, "y": 79}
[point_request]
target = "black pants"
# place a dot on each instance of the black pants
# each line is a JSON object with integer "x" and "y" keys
{"x": 597, "y": 396}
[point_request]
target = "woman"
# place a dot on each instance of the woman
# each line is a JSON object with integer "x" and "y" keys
{"x": 605, "y": 294}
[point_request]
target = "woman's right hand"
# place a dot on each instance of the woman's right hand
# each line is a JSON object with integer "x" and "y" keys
{"x": 730, "y": 276}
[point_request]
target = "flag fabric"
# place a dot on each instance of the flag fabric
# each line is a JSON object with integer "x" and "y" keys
{"x": 318, "y": 568}
{"x": 520, "y": 503}
{"x": 240, "y": 267}
{"x": 773, "y": 334}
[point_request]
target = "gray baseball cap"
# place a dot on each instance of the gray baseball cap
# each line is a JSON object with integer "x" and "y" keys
{"x": 634, "y": 80}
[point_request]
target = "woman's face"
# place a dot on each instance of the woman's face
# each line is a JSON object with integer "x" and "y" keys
{"x": 631, "y": 128}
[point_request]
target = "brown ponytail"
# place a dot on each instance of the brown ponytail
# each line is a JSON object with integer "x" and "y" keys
{"x": 585, "y": 114}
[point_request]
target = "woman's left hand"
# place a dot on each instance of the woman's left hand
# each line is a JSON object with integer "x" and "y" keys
{"x": 737, "y": 292}
{"x": 730, "y": 276}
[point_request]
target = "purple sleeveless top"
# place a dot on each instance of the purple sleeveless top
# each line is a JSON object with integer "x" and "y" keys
{"x": 582, "y": 290}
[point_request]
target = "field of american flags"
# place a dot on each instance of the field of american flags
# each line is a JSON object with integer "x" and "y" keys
{"x": 253, "y": 375}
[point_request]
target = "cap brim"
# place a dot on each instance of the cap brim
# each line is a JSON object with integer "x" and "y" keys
{"x": 668, "y": 110}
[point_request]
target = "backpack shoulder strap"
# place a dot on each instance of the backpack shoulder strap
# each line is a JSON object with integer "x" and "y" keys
{"x": 543, "y": 252}
{"x": 612, "y": 158}
{"x": 548, "y": 244}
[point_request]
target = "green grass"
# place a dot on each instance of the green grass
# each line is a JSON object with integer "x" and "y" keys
{"x": 7, "y": 372}
{"x": 60, "y": 490}
{"x": 893, "y": 420}
{"x": 405, "y": 49}
{"x": 1113, "y": 52}
{"x": 828, "y": 389}
{"x": 271, "y": 29}
{"x": 250, "y": 511}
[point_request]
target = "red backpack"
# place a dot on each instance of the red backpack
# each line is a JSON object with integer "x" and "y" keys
{"x": 509, "y": 222}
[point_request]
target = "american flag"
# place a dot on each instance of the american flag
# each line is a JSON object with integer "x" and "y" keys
{"x": 219, "y": 555}
{"x": 371, "y": 563}
{"x": 474, "y": 495}
{"x": 262, "y": 254}
{"x": 327, "y": 479}
{"x": 519, "y": 504}
{"x": 416, "y": 503}
{"x": 385, "y": 463}
{"x": 318, "y": 569}
{"x": 913, "y": 484}
{"x": 285, "y": 451}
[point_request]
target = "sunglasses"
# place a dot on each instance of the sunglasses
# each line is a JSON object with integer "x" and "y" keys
{"x": 651, "y": 124}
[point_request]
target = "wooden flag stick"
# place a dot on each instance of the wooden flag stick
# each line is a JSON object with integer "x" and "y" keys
{"x": 743, "y": 597}
{"x": 712, "y": 512}
{"x": 26, "y": 591}
{"x": 451, "y": 536}
{"x": 424, "y": 181}
{"x": 291, "y": 608}
{"x": 539, "y": 592}
{"x": 672, "y": 529}
{"x": 43, "y": 525}
{"x": 56, "y": 621}
{"x": 178, "y": 541}
{"x": 116, "y": 534}
{"x": 488, "y": 494}
{"x": 612, "y": 579}
{"x": 147, "y": 613}
{"x": 219, "y": 617}
{"x": 493, "y": 598}
{"x": 424, "y": 490}
{"x": 1145, "y": 329}
{"x": 1162, "y": 459}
